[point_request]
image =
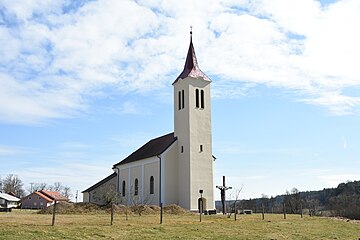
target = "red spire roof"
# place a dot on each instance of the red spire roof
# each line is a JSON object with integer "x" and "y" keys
{"x": 191, "y": 68}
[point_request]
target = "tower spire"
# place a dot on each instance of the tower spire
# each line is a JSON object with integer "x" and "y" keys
{"x": 191, "y": 68}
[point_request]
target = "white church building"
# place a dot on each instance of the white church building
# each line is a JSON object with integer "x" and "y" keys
{"x": 176, "y": 167}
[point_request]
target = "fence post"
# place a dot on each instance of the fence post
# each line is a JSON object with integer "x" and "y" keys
{"x": 161, "y": 213}
{"x": 284, "y": 210}
{"x": 54, "y": 212}
{"x": 112, "y": 214}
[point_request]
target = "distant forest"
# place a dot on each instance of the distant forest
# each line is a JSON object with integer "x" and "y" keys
{"x": 342, "y": 201}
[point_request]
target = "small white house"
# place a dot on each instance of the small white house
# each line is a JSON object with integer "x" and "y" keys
{"x": 8, "y": 201}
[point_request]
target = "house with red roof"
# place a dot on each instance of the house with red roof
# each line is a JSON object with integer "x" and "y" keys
{"x": 42, "y": 199}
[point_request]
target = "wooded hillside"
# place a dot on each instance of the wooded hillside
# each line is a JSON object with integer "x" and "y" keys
{"x": 342, "y": 201}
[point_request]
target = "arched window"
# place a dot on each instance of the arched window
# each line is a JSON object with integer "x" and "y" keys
{"x": 202, "y": 99}
{"x": 151, "y": 185}
{"x": 136, "y": 192}
{"x": 183, "y": 99}
{"x": 123, "y": 189}
{"x": 197, "y": 98}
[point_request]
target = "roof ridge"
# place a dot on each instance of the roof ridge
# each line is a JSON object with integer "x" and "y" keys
{"x": 44, "y": 192}
{"x": 46, "y": 197}
{"x": 161, "y": 136}
{"x": 100, "y": 182}
{"x": 55, "y": 195}
{"x": 151, "y": 148}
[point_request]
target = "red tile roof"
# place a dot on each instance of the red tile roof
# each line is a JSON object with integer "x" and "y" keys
{"x": 43, "y": 196}
{"x": 54, "y": 195}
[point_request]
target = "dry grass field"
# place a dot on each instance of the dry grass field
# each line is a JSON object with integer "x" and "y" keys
{"x": 30, "y": 225}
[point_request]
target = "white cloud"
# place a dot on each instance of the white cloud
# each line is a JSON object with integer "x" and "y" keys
{"x": 13, "y": 150}
{"x": 53, "y": 62}
{"x": 337, "y": 103}
{"x": 312, "y": 171}
{"x": 296, "y": 45}
{"x": 344, "y": 141}
{"x": 29, "y": 102}
{"x": 334, "y": 180}
{"x": 130, "y": 107}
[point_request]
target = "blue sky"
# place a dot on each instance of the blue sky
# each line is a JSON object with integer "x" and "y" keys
{"x": 85, "y": 83}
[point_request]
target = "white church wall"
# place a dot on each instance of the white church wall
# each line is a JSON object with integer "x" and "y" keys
{"x": 151, "y": 169}
{"x": 201, "y": 159}
{"x": 86, "y": 197}
{"x": 170, "y": 175}
{"x": 124, "y": 177}
{"x": 142, "y": 170}
{"x": 182, "y": 131}
{"x": 193, "y": 128}
{"x": 135, "y": 173}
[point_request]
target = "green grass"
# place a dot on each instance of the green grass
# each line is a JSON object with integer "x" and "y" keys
{"x": 29, "y": 225}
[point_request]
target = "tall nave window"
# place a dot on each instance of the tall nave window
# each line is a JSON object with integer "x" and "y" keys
{"x": 151, "y": 185}
{"x": 123, "y": 188}
{"x": 136, "y": 192}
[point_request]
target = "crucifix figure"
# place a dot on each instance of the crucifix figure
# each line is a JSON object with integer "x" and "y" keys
{"x": 223, "y": 189}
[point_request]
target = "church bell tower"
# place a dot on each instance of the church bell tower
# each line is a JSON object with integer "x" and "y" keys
{"x": 192, "y": 123}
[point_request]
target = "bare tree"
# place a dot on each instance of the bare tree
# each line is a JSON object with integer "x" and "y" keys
{"x": 38, "y": 187}
{"x": 234, "y": 196}
{"x": 312, "y": 205}
{"x": 265, "y": 202}
{"x": 272, "y": 204}
{"x": 66, "y": 192}
{"x": 59, "y": 187}
{"x": 139, "y": 200}
{"x": 126, "y": 208}
{"x": 293, "y": 201}
{"x": 106, "y": 195}
{"x": 56, "y": 187}
{"x": 12, "y": 183}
